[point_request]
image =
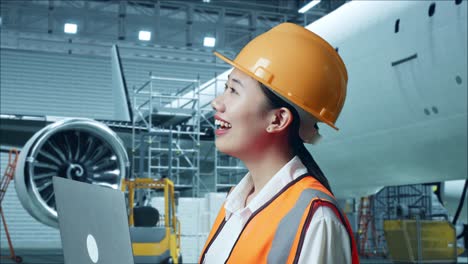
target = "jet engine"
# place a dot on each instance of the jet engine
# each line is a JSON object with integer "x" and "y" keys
{"x": 79, "y": 149}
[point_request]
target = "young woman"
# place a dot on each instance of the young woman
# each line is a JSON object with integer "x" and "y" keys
{"x": 283, "y": 211}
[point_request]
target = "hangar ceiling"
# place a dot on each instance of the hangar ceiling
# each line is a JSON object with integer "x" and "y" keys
{"x": 177, "y": 27}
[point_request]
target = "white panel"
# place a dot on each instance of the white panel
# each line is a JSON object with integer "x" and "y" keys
{"x": 40, "y": 83}
{"x": 196, "y": 216}
{"x": 189, "y": 215}
{"x": 54, "y": 84}
{"x": 201, "y": 242}
{"x": 158, "y": 203}
{"x": 189, "y": 249}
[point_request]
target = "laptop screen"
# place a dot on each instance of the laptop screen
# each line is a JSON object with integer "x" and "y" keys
{"x": 93, "y": 223}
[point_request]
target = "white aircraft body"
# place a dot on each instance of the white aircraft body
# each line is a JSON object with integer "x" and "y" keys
{"x": 405, "y": 116}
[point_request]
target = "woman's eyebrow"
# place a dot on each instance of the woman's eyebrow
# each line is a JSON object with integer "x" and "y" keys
{"x": 235, "y": 80}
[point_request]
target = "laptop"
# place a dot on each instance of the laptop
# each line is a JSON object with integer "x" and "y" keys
{"x": 93, "y": 223}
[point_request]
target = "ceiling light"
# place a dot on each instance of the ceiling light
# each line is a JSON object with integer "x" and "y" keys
{"x": 70, "y": 28}
{"x": 209, "y": 42}
{"x": 206, "y": 1}
{"x": 144, "y": 35}
{"x": 308, "y": 6}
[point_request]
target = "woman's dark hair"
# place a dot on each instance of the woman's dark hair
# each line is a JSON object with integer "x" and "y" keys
{"x": 295, "y": 140}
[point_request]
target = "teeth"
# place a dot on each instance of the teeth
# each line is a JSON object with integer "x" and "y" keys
{"x": 222, "y": 123}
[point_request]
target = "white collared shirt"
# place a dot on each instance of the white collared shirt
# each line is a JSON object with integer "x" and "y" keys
{"x": 326, "y": 240}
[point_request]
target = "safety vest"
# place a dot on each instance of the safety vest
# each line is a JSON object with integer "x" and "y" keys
{"x": 275, "y": 232}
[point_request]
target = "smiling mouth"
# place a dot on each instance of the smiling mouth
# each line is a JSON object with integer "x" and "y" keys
{"x": 222, "y": 124}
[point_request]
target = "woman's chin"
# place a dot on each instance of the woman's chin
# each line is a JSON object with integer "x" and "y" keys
{"x": 221, "y": 146}
{"x": 225, "y": 147}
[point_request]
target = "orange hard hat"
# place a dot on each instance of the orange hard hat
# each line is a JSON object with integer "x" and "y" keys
{"x": 301, "y": 68}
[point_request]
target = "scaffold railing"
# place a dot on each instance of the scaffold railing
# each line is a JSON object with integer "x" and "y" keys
{"x": 168, "y": 146}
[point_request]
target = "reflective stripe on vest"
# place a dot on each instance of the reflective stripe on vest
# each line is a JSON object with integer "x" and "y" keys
{"x": 284, "y": 238}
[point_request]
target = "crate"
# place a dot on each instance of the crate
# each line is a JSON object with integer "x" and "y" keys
{"x": 437, "y": 238}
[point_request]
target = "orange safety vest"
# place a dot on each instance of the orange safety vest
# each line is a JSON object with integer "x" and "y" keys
{"x": 275, "y": 232}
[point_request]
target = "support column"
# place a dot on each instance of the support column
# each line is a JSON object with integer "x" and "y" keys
{"x": 157, "y": 22}
{"x": 121, "y": 20}
{"x": 252, "y": 25}
{"x": 50, "y": 17}
{"x": 189, "y": 26}
{"x": 220, "y": 29}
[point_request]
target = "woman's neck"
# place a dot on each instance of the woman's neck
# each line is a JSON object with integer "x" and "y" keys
{"x": 264, "y": 166}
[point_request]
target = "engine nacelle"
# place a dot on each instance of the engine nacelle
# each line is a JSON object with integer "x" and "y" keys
{"x": 79, "y": 149}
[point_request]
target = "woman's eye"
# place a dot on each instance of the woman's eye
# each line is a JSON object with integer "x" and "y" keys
{"x": 231, "y": 90}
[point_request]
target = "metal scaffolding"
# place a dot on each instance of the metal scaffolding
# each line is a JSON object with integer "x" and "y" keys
{"x": 173, "y": 121}
{"x": 167, "y": 143}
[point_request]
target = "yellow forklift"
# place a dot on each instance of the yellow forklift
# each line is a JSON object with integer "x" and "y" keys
{"x": 153, "y": 242}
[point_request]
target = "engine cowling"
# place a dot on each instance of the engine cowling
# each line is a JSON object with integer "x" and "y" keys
{"x": 79, "y": 149}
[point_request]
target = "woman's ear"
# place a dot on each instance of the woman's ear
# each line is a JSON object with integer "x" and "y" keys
{"x": 280, "y": 119}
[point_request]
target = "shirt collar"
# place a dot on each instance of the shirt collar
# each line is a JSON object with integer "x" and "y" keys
{"x": 236, "y": 199}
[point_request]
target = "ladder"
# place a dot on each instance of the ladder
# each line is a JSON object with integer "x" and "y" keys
{"x": 7, "y": 177}
{"x": 366, "y": 219}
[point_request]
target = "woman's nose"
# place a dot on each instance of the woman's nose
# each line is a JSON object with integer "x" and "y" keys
{"x": 217, "y": 104}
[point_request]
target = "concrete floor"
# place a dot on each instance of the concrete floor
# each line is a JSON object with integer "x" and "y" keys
{"x": 34, "y": 256}
{"x": 56, "y": 257}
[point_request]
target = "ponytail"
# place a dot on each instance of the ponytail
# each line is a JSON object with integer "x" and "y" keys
{"x": 310, "y": 164}
{"x": 295, "y": 140}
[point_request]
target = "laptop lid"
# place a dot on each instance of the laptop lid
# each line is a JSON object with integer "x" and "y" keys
{"x": 93, "y": 223}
